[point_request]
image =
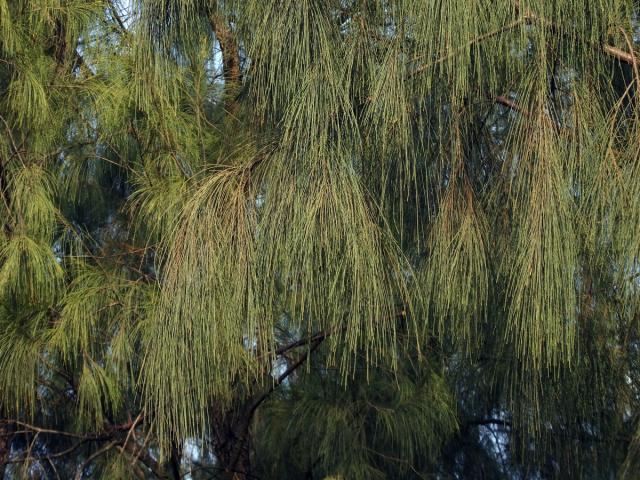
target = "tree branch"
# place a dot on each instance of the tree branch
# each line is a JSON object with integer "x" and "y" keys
{"x": 470, "y": 43}
{"x": 6, "y": 437}
{"x": 230, "y": 59}
{"x": 116, "y": 16}
{"x": 302, "y": 342}
{"x": 96, "y": 454}
{"x": 143, "y": 457}
{"x": 507, "y": 102}
{"x": 527, "y": 19}
{"x": 488, "y": 421}
{"x": 248, "y": 416}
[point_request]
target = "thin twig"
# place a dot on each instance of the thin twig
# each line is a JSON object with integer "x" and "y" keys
{"x": 133, "y": 427}
{"x": 13, "y": 141}
{"x": 470, "y": 43}
{"x": 96, "y": 454}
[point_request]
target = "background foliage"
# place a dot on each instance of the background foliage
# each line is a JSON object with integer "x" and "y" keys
{"x": 319, "y": 239}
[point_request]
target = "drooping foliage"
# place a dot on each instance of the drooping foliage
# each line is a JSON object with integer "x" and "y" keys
{"x": 321, "y": 238}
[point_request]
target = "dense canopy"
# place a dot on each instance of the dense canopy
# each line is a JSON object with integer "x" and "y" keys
{"x": 322, "y": 239}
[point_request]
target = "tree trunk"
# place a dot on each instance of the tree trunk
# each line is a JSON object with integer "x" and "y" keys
{"x": 235, "y": 459}
{"x": 231, "y": 442}
{"x": 231, "y": 70}
{"x": 6, "y": 436}
{"x": 175, "y": 461}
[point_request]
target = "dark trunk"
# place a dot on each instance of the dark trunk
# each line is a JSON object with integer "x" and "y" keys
{"x": 4, "y": 195}
{"x": 231, "y": 429}
{"x": 175, "y": 461}
{"x": 6, "y": 436}
{"x": 232, "y": 442}
{"x": 230, "y": 60}
{"x": 235, "y": 459}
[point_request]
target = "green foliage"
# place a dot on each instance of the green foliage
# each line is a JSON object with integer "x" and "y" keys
{"x": 367, "y": 430}
{"x": 383, "y": 228}
{"x": 30, "y": 272}
{"x": 541, "y": 291}
{"x": 20, "y": 351}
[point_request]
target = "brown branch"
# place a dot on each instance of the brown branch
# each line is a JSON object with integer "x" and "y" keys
{"x": 60, "y": 454}
{"x": 302, "y": 342}
{"x": 231, "y": 69}
{"x": 6, "y": 199}
{"x": 133, "y": 427}
{"x": 40, "y": 430}
{"x": 527, "y": 19}
{"x": 16, "y": 150}
{"x": 243, "y": 429}
{"x": 116, "y": 16}
{"x": 60, "y": 46}
{"x": 96, "y": 454}
{"x": 114, "y": 435}
{"x": 290, "y": 369}
{"x": 470, "y": 43}
{"x": 609, "y": 49}
{"x": 6, "y": 437}
{"x": 619, "y": 54}
{"x": 143, "y": 457}
{"x": 507, "y": 102}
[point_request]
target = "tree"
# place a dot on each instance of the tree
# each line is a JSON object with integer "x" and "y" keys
{"x": 319, "y": 239}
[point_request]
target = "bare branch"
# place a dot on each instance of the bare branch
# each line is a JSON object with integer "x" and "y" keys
{"x": 527, "y": 19}
{"x": 507, "y": 102}
{"x": 302, "y": 342}
{"x": 96, "y": 454}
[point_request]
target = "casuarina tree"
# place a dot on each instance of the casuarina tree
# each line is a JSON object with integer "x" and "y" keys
{"x": 322, "y": 239}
